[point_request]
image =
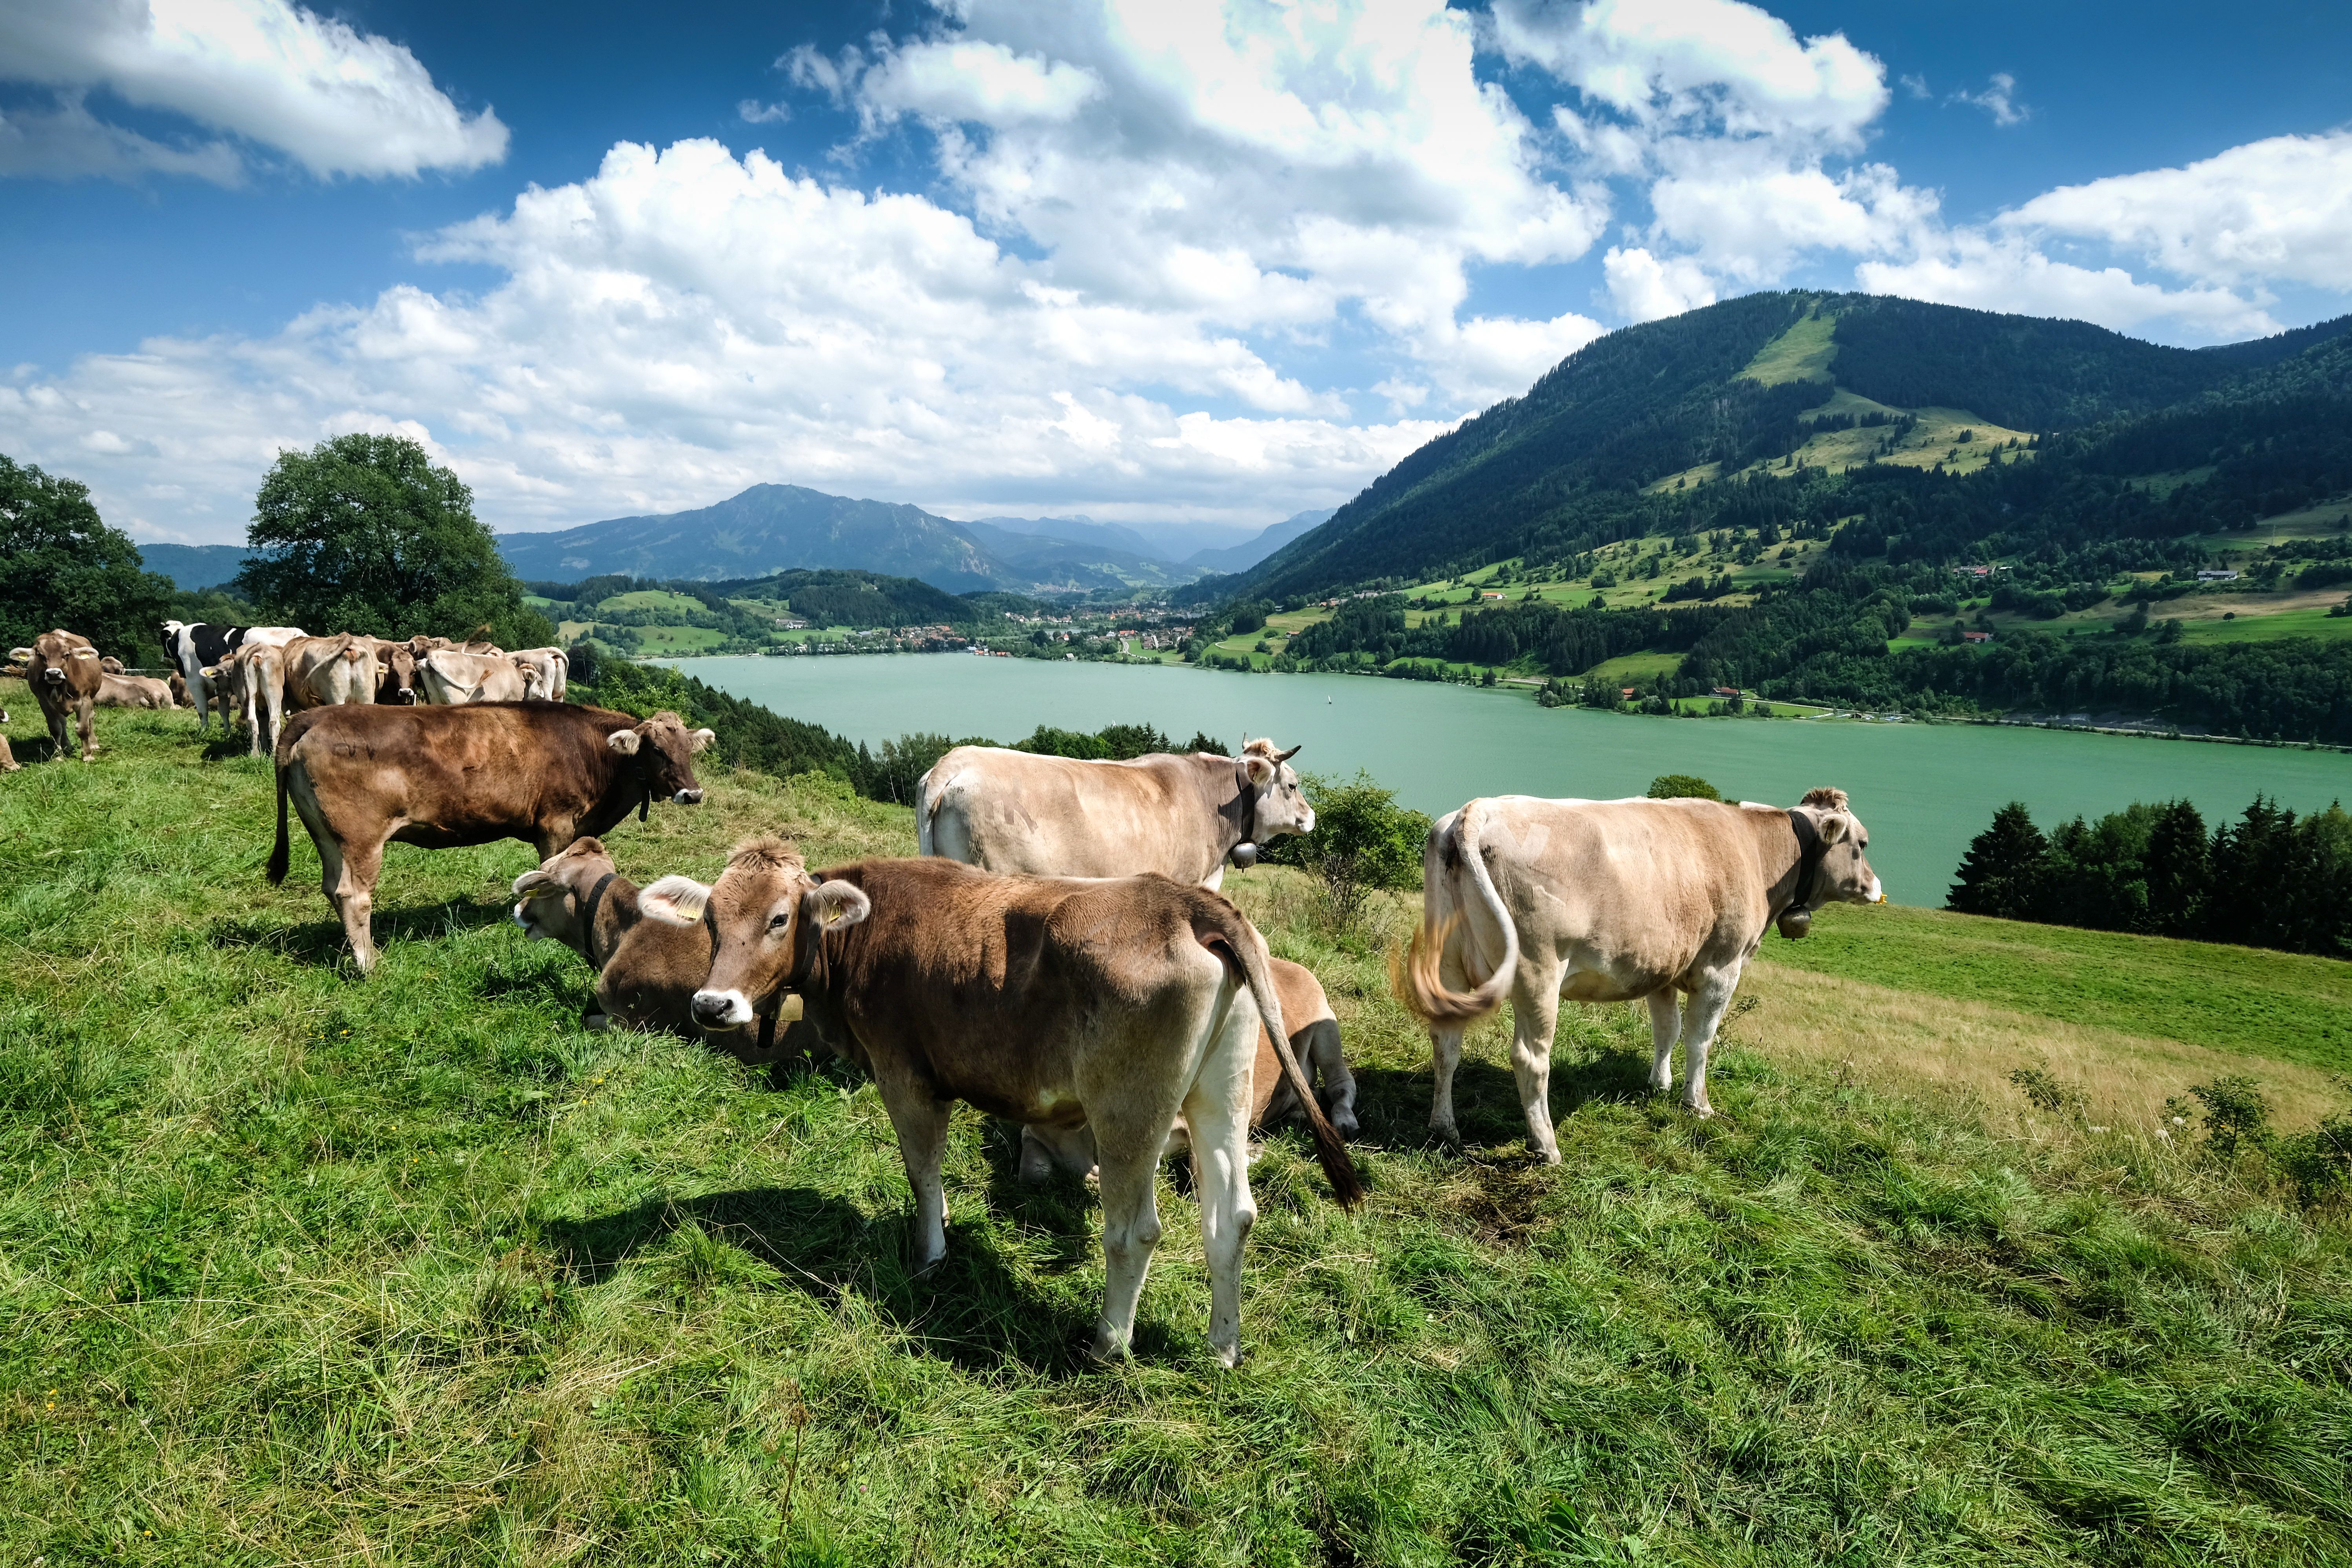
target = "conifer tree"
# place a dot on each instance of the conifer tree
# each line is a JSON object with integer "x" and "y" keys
{"x": 2002, "y": 873}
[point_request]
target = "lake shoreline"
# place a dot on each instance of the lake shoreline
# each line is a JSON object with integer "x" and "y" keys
{"x": 1926, "y": 789}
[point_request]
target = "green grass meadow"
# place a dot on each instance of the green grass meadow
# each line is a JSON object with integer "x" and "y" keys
{"x": 296, "y": 1268}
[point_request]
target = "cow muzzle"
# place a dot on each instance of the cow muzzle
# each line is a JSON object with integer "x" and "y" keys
{"x": 687, "y": 797}
{"x": 54, "y": 676}
{"x": 721, "y": 1009}
{"x": 406, "y": 696}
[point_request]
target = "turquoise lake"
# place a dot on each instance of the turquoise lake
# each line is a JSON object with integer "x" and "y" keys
{"x": 1924, "y": 790}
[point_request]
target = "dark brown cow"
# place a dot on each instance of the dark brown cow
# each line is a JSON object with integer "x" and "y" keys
{"x": 544, "y": 772}
{"x": 62, "y": 669}
{"x": 1117, "y": 1002}
{"x": 396, "y": 673}
{"x": 646, "y": 971}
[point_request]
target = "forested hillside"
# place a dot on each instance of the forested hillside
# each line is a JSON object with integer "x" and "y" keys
{"x": 1951, "y": 461}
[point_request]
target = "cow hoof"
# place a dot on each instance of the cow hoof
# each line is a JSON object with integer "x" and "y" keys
{"x": 1228, "y": 1356}
{"x": 1446, "y": 1131}
{"x": 596, "y": 1023}
{"x": 1107, "y": 1349}
{"x": 1346, "y": 1125}
{"x": 1704, "y": 1113}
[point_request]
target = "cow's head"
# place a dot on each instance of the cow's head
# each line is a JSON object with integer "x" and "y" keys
{"x": 663, "y": 751}
{"x": 553, "y": 900}
{"x": 55, "y": 659}
{"x": 770, "y": 917}
{"x": 421, "y": 645}
{"x": 396, "y": 668}
{"x": 171, "y": 630}
{"x": 1845, "y": 875}
{"x": 1267, "y": 779}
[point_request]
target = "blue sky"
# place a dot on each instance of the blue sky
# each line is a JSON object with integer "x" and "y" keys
{"x": 1140, "y": 260}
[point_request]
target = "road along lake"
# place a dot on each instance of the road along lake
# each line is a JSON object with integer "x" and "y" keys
{"x": 1924, "y": 790}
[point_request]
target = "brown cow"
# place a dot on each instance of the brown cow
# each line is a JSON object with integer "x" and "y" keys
{"x": 397, "y": 672}
{"x": 1613, "y": 900}
{"x": 546, "y": 672}
{"x": 1118, "y": 1002}
{"x": 179, "y": 684}
{"x": 9, "y": 763}
{"x": 253, "y": 676}
{"x": 544, "y": 772}
{"x": 133, "y": 691}
{"x": 110, "y": 664}
{"x": 449, "y": 678}
{"x": 62, "y": 669}
{"x": 1313, "y": 1040}
{"x": 647, "y": 971}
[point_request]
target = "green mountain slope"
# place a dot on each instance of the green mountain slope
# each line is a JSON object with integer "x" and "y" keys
{"x": 1725, "y": 389}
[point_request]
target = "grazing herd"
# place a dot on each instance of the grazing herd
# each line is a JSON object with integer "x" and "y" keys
{"x": 1058, "y": 955}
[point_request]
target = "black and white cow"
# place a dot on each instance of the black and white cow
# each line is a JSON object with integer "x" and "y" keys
{"x": 194, "y": 648}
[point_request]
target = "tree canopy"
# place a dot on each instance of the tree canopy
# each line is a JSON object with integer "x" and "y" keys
{"x": 61, "y": 566}
{"x": 366, "y": 533}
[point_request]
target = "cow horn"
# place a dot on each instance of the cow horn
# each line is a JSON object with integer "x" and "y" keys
{"x": 1285, "y": 756}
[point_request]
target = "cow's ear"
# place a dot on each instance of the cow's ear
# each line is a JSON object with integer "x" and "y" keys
{"x": 85, "y": 653}
{"x": 20, "y": 656}
{"x": 1253, "y": 770}
{"x": 1833, "y": 826}
{"x": 702, "y": 738}
{"x": 625, "y": 741}
{"x": 675, "y": 900}
{"x": 834, "y": 904}
{"x": 537, "y": 885}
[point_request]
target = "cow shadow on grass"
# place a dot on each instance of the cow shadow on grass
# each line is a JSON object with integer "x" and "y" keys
{"x": 972, "y": 1308}
{"x": 321, "y": 942}
{"x": 1393, "y": 1103}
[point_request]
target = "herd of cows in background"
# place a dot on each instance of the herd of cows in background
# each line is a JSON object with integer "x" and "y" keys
{"x": 1059, "y": 954}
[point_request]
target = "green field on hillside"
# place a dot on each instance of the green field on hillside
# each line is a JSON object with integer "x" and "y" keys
{"x": 298, "y": 1267}
{"x": 2283, "y": 1005}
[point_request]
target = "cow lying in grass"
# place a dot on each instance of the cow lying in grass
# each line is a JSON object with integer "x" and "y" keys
{"x": 647, "y": 971}
{"x": 1613, "y": 900}
{"x": 133, "y": 691}
{"x": 1114, "y": 1003}
{"x": 1313, "y": 1040}
{"x": 545, "y": 773}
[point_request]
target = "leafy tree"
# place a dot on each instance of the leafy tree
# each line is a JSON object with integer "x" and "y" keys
{"x": 1682, "y": 786}
{"x": 61, "y": 566}
{"x": 366, "y": 533}
{"x": 2001, "y": 873}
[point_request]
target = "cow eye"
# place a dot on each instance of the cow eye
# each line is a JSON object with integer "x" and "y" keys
{"x": 778, "y": 923}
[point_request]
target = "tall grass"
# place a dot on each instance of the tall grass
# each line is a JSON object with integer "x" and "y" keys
{"x": 295, "y": 1267}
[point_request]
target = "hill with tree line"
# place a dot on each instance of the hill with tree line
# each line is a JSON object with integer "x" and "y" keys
{"x": 1727, "y": 424}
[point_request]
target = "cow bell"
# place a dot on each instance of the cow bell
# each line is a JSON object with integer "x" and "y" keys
{"x": 1243, "y": 856}
{"x": 1795, "y": 923}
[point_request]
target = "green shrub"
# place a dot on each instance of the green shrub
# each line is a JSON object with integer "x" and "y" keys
{"x": 1682, "y": 786}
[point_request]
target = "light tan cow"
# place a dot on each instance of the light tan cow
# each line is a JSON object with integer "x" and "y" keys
{"x": 329, "y": 672}
{"x": 449, "y": 677}
{"x": 254, "y": 677}
{"x": 545, "y": 672}
{"x": 1313, "y": 1040}
{"x": 1613, "y": 900}
{"x": 1181, "y": 817}
{"x": 133, "y": 691}
{"x": 9, "y": 763}
{"x": 1116, "y": 1003}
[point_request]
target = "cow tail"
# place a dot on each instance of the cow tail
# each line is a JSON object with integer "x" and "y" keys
{"x": 279, "y": 853}
{"x": 1243, "y": 947}
{"x": 926, "y": 806}
{"x": 1419, "y": 983}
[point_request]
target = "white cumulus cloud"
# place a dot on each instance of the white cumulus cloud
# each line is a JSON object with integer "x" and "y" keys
{"x": 334, "y": 100}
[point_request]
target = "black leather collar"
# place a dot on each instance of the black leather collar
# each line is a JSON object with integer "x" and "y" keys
{"x": 1810, "y": 850}
{"x": 595, "y": 901}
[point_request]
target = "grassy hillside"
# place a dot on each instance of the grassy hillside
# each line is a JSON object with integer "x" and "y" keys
{"x": 297, "y": 1267}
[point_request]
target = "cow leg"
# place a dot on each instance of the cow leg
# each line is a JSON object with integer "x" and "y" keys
{"x": 1534, "y": 1016}
{"x": 81, "y": 722}
{"x": 1217, "y": 1113}
{"x": 1700, "y": 1019}
{"x": 1127, "y": 1168}
{"x": 1444, "y": 1056}
{"x": 1327, "y": 1061}
{"x": 922, "y": 1124}
{"x": 1664, "y": 1027}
